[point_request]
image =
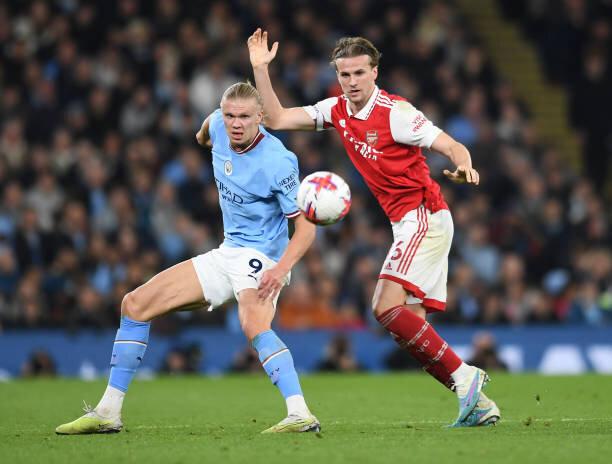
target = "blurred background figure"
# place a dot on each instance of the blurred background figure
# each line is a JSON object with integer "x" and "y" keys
{"x": 339, "y": 356}
{"x": 39, "y": 364}
{"x": 246, "y": 360}
{"x": 484, "y": 354}
{"x": 399, "y": 360}
{"x": 182, "y": 360}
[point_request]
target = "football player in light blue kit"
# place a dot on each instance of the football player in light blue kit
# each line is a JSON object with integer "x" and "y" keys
{"x": 257, "y": 178}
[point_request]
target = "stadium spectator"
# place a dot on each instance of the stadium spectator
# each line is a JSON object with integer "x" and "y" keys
{"x": 574, "y": 42}
{"x": 485, "y": 354}
{"x": 182, "y": 360}
{"x": 246, "y": 360}
{"x": 339, "y": 356}
{"x": 39, "y": 364}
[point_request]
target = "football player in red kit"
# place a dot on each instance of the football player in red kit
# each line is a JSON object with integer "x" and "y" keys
{"x": 383, "y": 135}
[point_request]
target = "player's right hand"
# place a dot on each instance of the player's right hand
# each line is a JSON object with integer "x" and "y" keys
{"x": 259, "y": 53}
{"x": 271, "y": 282}
{"x": 463, "y": 175}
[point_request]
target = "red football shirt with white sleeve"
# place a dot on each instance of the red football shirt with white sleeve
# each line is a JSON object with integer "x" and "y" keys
{"x": 384, "y": 141}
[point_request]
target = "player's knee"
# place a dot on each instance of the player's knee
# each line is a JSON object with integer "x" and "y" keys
{"x": 133, "y": 306}
{"x": 252, "y": 325}
{"x": 417, "y": 309}
{"x": 381, "y": 302}
{"x": 253, "y": 328}
{"x": 379, "y": 306}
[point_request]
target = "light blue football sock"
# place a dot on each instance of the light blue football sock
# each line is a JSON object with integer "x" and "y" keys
{"x": 277, "y": 361}
{"x": 128, "y": 351}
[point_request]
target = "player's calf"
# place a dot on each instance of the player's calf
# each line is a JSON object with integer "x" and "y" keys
{"x": 128, "y": 351}
{"x": 255, "y": 319}
{"x": 435, "y": 369}
{"x": 417, "y": 334}
{"x": 277, "y": 361}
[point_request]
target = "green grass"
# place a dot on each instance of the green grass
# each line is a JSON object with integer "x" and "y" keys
{"x": 365, "y": 418}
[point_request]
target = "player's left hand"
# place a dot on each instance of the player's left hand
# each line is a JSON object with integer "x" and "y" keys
{"x": 271, "y": 282}
{"x": 463, "y": 175}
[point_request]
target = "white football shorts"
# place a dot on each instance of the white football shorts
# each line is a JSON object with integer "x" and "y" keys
{"x": 418, "y": 258}
{"x": 226, "y": 271}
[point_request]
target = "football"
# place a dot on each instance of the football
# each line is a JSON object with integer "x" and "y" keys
{"x": 324, "y": 198}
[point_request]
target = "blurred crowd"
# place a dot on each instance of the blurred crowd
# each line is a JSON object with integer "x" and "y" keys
{"x": 574, "y": 40}
{"x": 102, "y": 184}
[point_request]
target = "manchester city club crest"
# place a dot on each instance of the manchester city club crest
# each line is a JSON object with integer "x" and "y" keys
{"x": 372, "y": 138}
{"x": 228, "y": 168}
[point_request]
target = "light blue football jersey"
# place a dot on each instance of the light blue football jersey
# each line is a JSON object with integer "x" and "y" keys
{"x": 257, "y": 190}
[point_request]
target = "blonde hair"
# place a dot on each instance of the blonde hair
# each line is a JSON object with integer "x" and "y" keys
{"x": 242, "y": 90}
{"x": 349, "y": 47}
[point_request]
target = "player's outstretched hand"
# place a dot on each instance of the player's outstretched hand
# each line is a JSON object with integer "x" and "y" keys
{"x": 271, "y": 283}
{"x": 259, "y": 53}
{"x": 463, "y": 175}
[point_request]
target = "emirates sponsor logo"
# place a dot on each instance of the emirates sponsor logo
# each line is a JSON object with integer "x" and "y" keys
{"x": 418, "y": 122}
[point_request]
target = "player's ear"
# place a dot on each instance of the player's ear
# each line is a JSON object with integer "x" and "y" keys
{"x": 375, "y": 71}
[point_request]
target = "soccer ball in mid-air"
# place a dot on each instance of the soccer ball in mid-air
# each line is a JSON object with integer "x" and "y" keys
{"x": 324, "y": 198}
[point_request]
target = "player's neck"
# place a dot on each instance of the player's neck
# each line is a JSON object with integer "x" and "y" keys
{"x": 357, "y": 107}
{"x": 240, "y": 147}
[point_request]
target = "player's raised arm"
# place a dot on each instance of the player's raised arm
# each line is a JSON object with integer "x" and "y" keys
{"x": 203, "y": 136}
{"x": 277, "y": 117}
{"x": 302, "y": 238}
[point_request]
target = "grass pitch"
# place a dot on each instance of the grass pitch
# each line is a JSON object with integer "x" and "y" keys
{"x": 365, "y": 419}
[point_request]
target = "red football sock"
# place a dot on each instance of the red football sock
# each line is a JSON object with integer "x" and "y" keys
{"x": 435, "y": 369}
{"x": 420, "y": 337}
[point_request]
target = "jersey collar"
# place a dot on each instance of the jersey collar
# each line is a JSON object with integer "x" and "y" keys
{"x": 258, "y": 138}
{"x": 364, "y": 113}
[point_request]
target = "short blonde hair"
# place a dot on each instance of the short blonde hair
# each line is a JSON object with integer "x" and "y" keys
{"x": 349, "y": 47}
{"x": 242, "y": 90}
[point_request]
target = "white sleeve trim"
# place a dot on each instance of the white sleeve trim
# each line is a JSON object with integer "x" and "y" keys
{"x": 321, "y": 112}
{"x": 411, "y": 127}
{"x": 430, "y": 136}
